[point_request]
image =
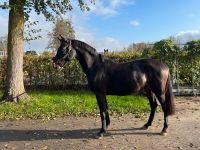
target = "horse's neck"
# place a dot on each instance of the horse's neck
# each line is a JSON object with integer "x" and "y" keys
{"x": 86, "y": 60}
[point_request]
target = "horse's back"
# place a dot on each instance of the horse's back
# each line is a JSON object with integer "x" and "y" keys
{"x": 143, "y": 65}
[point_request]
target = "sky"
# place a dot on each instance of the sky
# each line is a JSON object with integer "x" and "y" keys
{"x": 115, "y": 24}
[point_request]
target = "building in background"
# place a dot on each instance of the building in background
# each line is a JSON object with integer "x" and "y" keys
{"x": 3, "y": 53}
{"x": 3, "y": 46}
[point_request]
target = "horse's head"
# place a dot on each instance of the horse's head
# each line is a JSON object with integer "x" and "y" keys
{"x": 64, "y": 53}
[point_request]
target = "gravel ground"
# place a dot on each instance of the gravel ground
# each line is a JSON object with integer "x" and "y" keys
{"x": 123, "y": 134}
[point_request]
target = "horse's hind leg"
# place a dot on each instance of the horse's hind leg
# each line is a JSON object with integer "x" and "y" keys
{"x": 153, "y": 105}
{"x": 163, "y": 105}
{"x": 105, "y": 120}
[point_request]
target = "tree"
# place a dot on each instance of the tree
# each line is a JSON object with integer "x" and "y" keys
{"x": 31, "y": 52}
{"x": 61, "y": 27}
{"x": 138, "y": 47}
{"x": 167, "y": 51}
{"x": 19, "y": 11}
{"x": 193, "y": 49}
{"x": 193, "y": 53}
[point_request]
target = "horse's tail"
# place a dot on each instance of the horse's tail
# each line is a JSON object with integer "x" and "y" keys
{"x": 169, "y": 98}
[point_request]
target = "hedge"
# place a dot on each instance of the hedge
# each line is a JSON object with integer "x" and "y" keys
{"x": 39, "y": 72}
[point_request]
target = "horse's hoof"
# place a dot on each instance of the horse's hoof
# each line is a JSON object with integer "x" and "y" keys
{"x": 144, "y": 127}
{"x": 164, "y": 133}
{"x": 100, "y": 134}
{"x": 107, "y": 126}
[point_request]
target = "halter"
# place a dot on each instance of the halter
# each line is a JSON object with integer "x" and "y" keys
{"x": 69, "y": 48}
{"x": 70, "y": 45}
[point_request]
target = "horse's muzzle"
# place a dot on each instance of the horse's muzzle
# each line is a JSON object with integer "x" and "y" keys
{"x": 58, "y": 63}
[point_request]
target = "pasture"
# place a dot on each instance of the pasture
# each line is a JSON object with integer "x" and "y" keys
{"x": 51, "y": 104}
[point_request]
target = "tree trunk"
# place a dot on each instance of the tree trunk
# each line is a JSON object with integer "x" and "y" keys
{"x": 14, "y": 90}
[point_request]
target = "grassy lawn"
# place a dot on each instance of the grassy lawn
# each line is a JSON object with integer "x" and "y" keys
{"x": 51, "y": 104}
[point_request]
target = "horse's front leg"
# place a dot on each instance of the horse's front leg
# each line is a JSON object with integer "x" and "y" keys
{"x": 101, "y": 99}
{"x": 107, "y": 116}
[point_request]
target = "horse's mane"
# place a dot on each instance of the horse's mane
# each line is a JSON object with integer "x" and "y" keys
{"x": 85, "y": 46}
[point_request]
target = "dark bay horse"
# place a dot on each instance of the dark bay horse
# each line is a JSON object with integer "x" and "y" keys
{"x": 106, "y": 77}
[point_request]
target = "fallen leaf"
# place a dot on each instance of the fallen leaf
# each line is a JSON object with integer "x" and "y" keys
{"x": 180, "y": 147}
{"x": 27, "y": 144}
{"x": 191, "y": 144}
{"x": 44, "y": 148}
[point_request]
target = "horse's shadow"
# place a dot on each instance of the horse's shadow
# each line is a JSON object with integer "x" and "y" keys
{"x": 32, "y": 135}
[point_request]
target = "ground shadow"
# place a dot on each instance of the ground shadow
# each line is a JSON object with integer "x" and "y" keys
{"x": 32, "y": 135}
{"x": 129, "y": 131}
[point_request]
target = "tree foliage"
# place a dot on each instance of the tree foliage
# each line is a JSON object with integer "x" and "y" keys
{"x": 192, "y": 57}
{"x": 31, "y": 52}
{"x": 165, "y": 49}
{"x": 49, "y": 8}
{"x": 62, "y": 27}
{"x": 193, "y": 48}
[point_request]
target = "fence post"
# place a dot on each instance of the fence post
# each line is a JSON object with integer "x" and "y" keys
{"x": 177, "y": 73}
{"x": 192, "y": 73}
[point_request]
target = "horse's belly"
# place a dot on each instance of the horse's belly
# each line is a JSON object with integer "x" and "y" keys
{"x": 126, "y": 86}
{"x": 119, "y": 89}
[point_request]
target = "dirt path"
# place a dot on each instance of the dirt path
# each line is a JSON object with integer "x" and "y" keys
{"x": 79, "y": 132}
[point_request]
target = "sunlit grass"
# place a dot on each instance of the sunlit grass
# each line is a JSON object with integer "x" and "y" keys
{"x": 51, "y": 104}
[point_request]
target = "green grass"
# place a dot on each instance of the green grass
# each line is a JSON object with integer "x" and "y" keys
{"x": 51, "y": 104}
